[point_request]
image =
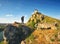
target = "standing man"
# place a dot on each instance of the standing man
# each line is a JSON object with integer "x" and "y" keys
{"x": 22, "y": 19}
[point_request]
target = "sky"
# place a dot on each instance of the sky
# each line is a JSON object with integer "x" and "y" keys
{"x": 13, "y": 10}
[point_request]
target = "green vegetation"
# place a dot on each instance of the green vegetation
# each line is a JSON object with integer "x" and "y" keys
{"x": 56, "y": 35}
{"x": 46, "y": 19}
{"x": 2, "y": 28}
{"x": 1, "y": 42}
{"x": 52, "y": 40}
{"x": 58, "y": 40}
{"x": 37, "y": 19}
{"x": 30, "y": 39}
{"x": 31, "y": 24}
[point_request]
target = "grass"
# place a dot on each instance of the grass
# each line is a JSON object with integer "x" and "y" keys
{"x": 1, "y": 42}
{"x": 30, "y": 38}
{"x": 58, "y": 40}
{"x": 52, "y": 40}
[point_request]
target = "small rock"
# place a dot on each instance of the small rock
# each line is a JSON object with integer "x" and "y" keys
{"x": 23, "y": 42}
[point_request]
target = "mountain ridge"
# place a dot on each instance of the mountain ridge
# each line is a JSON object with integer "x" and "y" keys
{"x": 46, "y": 29}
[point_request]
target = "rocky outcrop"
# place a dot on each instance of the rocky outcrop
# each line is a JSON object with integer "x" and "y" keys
{"x": 12, "y": 34}
{"x": 16, "y": 24}
{"x": 46, "y": 26}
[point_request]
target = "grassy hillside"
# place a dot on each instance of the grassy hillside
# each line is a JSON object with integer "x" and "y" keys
{"x": 40, "y": 18}
{"x": 45, "y": 36}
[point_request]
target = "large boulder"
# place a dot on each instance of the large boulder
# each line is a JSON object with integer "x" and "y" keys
{"x": 13, "y": 34}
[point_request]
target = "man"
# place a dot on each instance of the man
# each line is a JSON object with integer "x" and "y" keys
{"x": 22, "y": 19}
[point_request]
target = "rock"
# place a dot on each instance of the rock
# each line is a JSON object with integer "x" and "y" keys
{"x": 12, "y": 34}
{"x": 16, "y": 24}
{"x": 23, "y": 42}
{"x": 45, "y": 26}
{"x": 42, "y": 17}
{"x": 56, "y": 24}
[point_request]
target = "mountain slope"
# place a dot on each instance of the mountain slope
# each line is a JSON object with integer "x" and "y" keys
{"x": 46, "y": 29}
{"x": 38, "y": 17}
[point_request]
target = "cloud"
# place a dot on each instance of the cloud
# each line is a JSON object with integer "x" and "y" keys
{"x": 3, "y": 20}
{"x": 9, "y": 15}
{"x": 6, "y": 20}
{"x": 9, "y": 20}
